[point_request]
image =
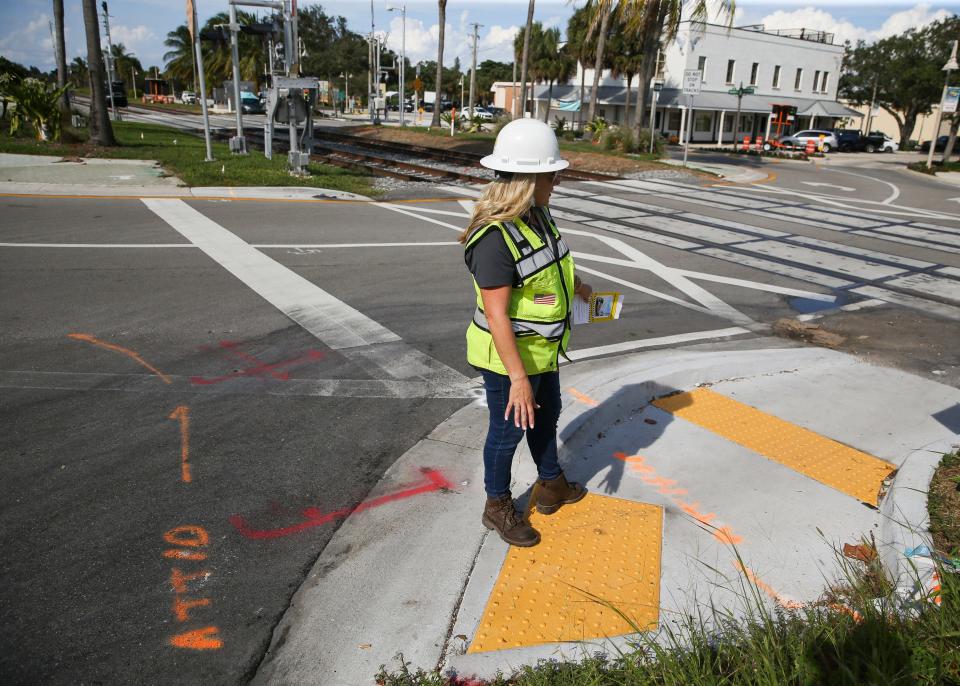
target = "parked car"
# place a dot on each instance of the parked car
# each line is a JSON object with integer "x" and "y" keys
{"x": 939, "y": 147}
{"x": 188, "y": 98}
{"x": 478, "y": 112}
{"x": 849, "y": 140}
{"x": 800, "y": 138}
{"x": 251, "y": 104}
{"x": 877, "y": 141}
{"x": 496, "y": 111}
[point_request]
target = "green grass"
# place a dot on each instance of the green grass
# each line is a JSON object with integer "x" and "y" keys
{"x": 871, "y": 639}
{"x": 182, "y": 155}
{"x": 937, "y": 166}
{"x": 943, "y": 504}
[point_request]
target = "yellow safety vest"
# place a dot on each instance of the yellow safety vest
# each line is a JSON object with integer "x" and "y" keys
{"x": 539, "y": 308}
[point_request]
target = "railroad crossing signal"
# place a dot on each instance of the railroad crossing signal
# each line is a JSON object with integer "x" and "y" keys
{"x": 417, "y": 84}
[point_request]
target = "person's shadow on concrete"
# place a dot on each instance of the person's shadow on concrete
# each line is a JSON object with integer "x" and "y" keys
{"x": 637, "y": 422}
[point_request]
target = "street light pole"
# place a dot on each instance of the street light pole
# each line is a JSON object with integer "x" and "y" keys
{"x": 948, "y": 67}
{"x": 473, "y": 66}
{"x": 403, "y": 59}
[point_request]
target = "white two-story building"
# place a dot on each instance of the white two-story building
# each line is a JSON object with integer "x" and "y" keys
{"x": 788, "y": 68}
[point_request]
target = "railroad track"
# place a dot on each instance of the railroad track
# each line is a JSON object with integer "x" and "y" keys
{"x": 377, "y": 156}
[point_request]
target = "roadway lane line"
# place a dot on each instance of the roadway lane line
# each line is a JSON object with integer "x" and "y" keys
{"x": 929, "y": 306}
{"x": 338, "y": 325}
{"x": 255, "y": 245}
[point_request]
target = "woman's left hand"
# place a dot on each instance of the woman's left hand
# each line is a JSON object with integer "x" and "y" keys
{"x": 584, "y": 290}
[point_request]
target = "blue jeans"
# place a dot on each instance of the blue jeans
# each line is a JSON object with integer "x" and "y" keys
{"x": 503, "y": 436}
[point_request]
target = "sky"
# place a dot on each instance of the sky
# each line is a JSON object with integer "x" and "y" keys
{"x": 142, "y": 25}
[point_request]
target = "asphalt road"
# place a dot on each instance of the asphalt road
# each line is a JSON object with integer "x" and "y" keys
{"x": 197, "y": 392}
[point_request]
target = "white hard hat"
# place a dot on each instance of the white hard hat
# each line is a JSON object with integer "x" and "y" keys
{"x": 526, "y": 146}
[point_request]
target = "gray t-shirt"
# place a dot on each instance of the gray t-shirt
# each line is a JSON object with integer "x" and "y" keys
{"x": 490, "y": 261}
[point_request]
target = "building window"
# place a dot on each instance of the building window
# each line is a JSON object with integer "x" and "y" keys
{"x": 731, "y": 66}
{"x": 754, "y": 70}
{"x": 823, "y": 82}
{"x": 673, "y": 122}
{"x": 702, "y": 66}
{"x": 776, "y": 76}
{"x": 728, "y": 123}
{"x": 799, "y": 79}
{"x": 702, "y": 121}
{"x": 816, "y": 81}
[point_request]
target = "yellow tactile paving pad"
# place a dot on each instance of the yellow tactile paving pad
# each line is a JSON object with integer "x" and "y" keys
{"x": 608, "y": 548}
{"x": 831, "y": 463}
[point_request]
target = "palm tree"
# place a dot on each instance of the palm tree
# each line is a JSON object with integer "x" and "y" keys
{"x": 550, "y": 63}
{"x": 656, "y": 23}
{"x": 437, "y": 99}
{"x": 179, "y": 61}
{"x": 582, "y": 44}
{"x": 625, "y": 59}
{"x": 606, "y": 10}
{"x": 101, "y": 132}
{"x": 125, "y": 63}
{"x": 61, "y": 51}
{"x": 79, "y": 73}
{"x": 524, "y": 58}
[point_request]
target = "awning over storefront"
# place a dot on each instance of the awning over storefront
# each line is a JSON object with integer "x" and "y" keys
{"x": 707, "y": 100}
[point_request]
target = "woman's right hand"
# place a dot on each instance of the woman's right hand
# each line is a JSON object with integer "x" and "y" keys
{"x": 522, "y": 403}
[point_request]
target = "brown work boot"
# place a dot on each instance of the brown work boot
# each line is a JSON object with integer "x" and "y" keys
{"x": 501, "y": 516}
{"x": 553, "y": 493}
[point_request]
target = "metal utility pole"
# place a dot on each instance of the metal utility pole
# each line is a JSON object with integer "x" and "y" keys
{"x": 198, "y": 57}
{"x": 873, "y": 99}
{"x": 403, "y": 61}
{"x": 110, "y": 75}
{"x": 513, "y": 91}
{"x": 473, "y": 66}
{"x": 238, "y": 144}
{"x": 948, "y": 67}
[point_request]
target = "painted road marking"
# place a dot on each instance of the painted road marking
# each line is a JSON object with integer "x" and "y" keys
{"x": 845, "y": 469}
{"x": 676, "y": 339}
{"x": 907, "y": 241}
{"x": 596, "y": 208}
{"x": 929, "y": 306}
{"x": 596, "y": 555}
{"x": 929, "y": 284}
{"x": 337, "y": 324}
{"x": 182, "y": 415}
{"x": 845, "y": 189}
{"x": 853, "y": 250}
{"x": 263, "y": 246}
{"x": 861, "y": 269}
{"x": 648, "y": 236}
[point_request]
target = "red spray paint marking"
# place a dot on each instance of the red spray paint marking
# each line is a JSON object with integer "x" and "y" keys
{"x": 259, "y": 369}
{"x": 314, "y": 517}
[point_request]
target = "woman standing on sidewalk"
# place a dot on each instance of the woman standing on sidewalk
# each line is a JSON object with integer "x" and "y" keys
{"x": 524, "y": 280}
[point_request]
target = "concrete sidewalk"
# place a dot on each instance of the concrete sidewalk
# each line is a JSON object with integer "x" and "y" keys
{"x": 57, "y": 176}
{"x": 779, "y": 455}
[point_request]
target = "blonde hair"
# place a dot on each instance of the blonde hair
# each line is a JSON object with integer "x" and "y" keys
{"x": 502, "y": 200}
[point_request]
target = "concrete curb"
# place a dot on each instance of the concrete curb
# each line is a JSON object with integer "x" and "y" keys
{"x": 905, "y": 524}
{"x": 728, "y": 172}
{"x": 414, "y": 577}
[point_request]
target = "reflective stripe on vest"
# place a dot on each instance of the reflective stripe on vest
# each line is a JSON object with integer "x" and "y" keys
{"x": 544, "y": 257}
{"x": 551, "y": 331}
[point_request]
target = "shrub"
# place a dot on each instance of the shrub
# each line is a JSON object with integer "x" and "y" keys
{"x": 643, "y": 143}
{"x": 560, "y": 125}
{"x": 34, "y": 103}
{"x": 596, "y": 128}
{"x": 619, "y": 138}
{"x": 500, "y": 122}
{"x": 569, "y": 135}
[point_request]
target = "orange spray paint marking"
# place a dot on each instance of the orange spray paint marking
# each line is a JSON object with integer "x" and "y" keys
{"x": 119, "y": 349}
{"x": 763, "y": 586}
{"x": 179, "y": 579}
{"x": 725, "y": 535}
{"x": 198, "y": 639}
{"x": 183, "y": 414}
{"x": 181, "y": 608}
{"x": 189, "y": 536}
{"x": 586, "y": 400}
{"x": 184, "y": 555}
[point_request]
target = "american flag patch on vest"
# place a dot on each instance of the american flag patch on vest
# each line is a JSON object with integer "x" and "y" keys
{"x": 545, "y": 299}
